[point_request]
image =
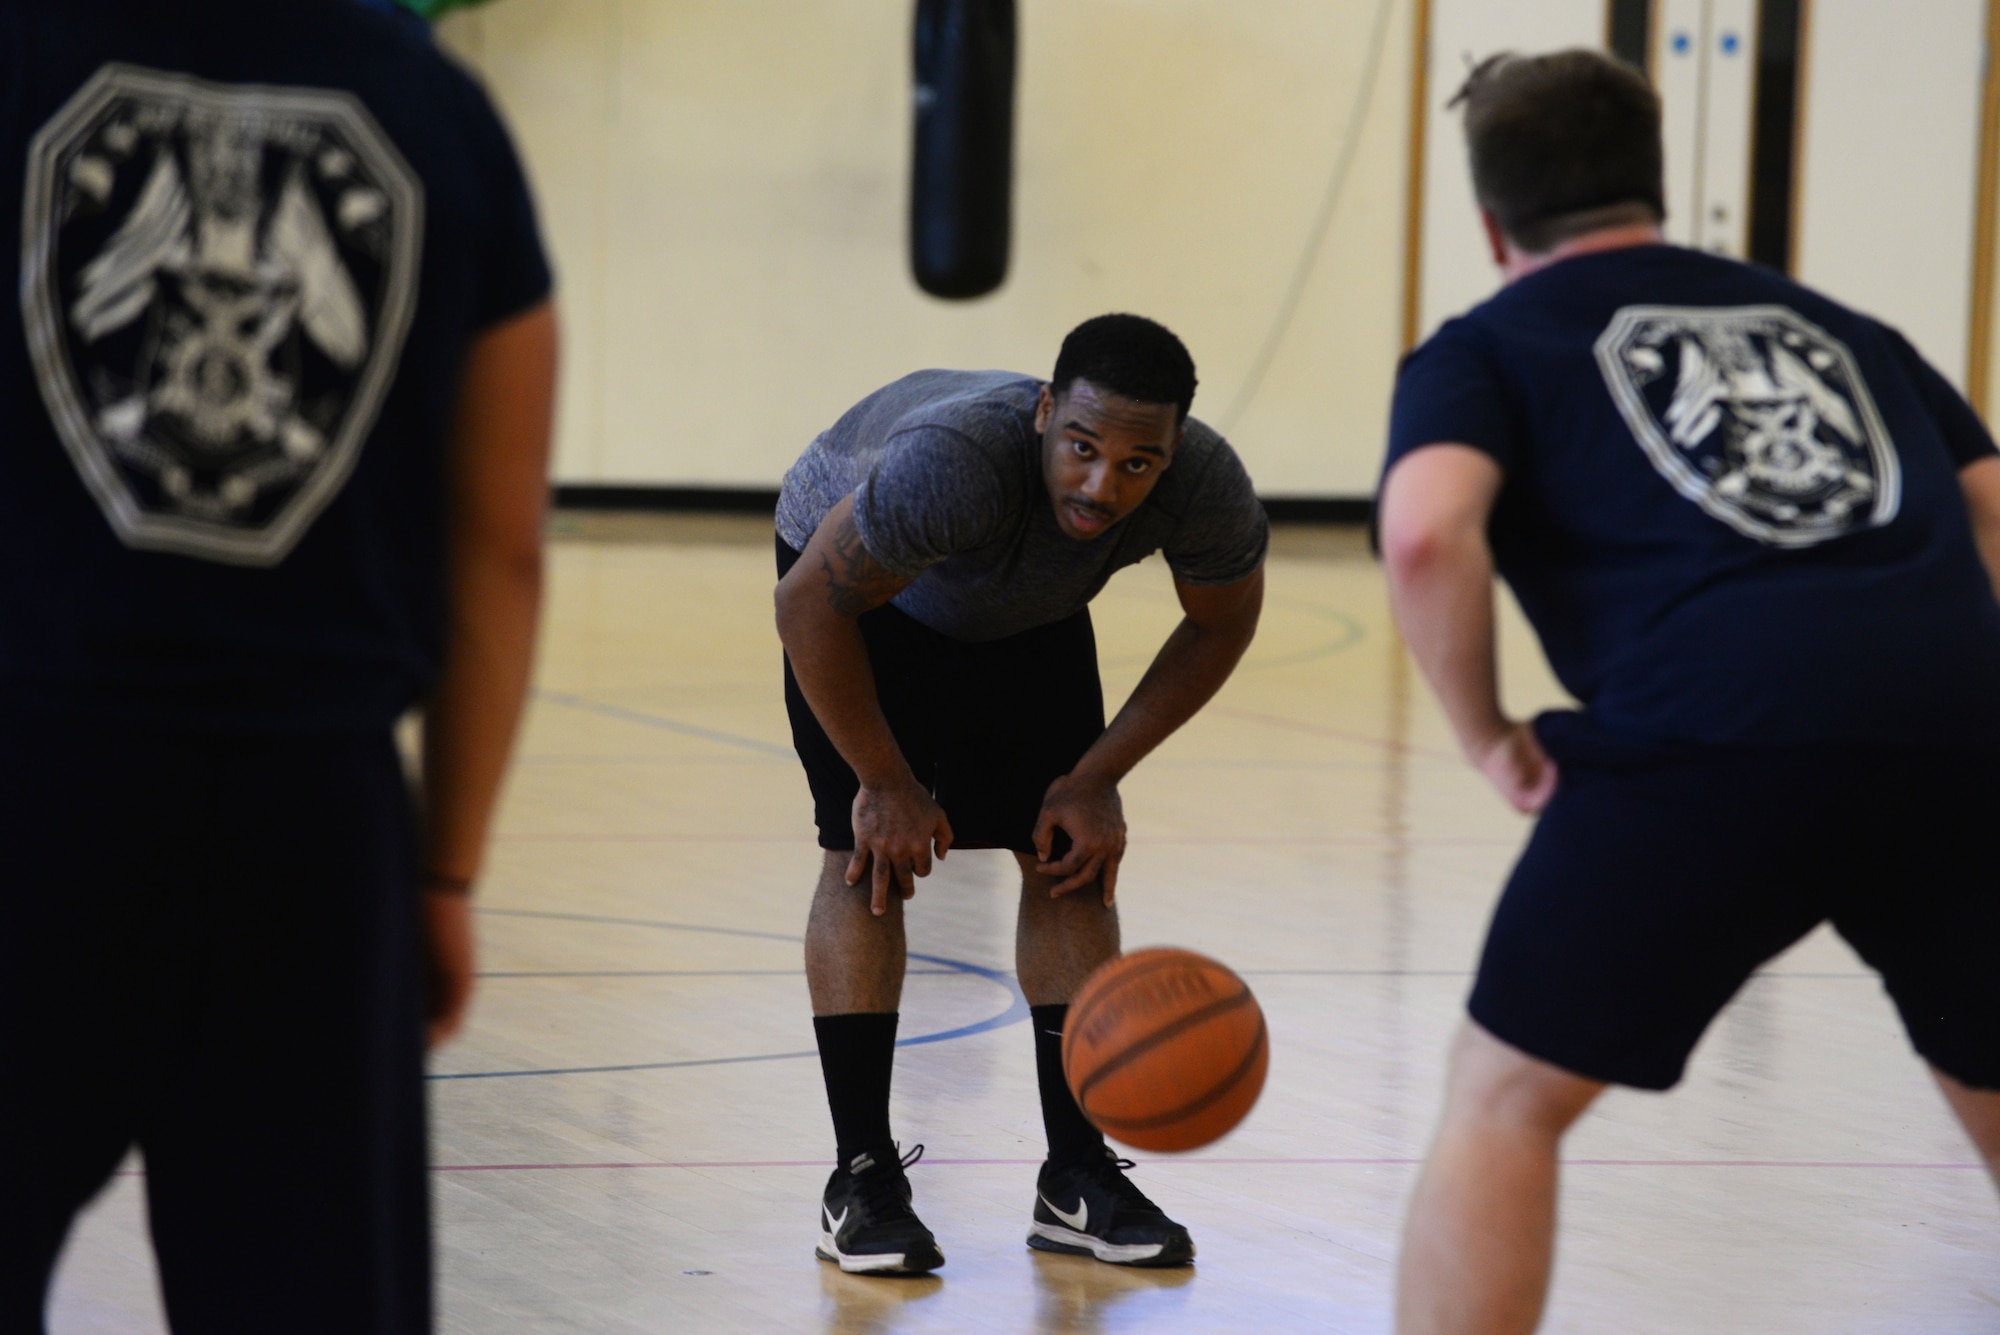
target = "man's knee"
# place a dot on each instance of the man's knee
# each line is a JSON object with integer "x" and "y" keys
{"x": 845, "y": 912}
{"x": 833, "y": 877}
{"x": 833, "y": 868}
{"x": 1085, "y": 899}
{"x": 1493, "y": 1082}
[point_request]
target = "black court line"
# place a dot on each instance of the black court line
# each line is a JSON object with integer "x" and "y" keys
{"x": 644, "y": 719}
{"x": 1353, "y": 629}
{"x": 693, "y": 973}
{"x": 1353, "y": 632}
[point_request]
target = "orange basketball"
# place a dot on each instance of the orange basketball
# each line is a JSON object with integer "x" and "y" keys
{"x": 1165, "y": 1049}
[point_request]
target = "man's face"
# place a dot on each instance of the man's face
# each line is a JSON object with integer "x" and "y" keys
{"x": 1102, "y": 454}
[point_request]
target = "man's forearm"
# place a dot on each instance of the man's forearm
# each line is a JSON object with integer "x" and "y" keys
{"x": 1987, "y": 535}
{"x": 470, "y": 721}
{"x": 1185, "y": 675}
{"x": 1981, "y": 482}
{"x": 498, "y": 476}
{"x": 1441, "y": 593}
{"x": 830, "y": 661}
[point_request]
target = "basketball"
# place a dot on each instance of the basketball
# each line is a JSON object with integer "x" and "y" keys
{"x": 1165, "y": 1049}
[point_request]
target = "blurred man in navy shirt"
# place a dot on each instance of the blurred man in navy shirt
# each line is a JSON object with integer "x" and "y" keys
{"x": 1747, "y": 525}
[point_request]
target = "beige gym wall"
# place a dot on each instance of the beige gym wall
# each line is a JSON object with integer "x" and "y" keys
{"x": 1889, "y": 164}
{"x": 1454, "y": 268}
{"x": 724, "y": 187}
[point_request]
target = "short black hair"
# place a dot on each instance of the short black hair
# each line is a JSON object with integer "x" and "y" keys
{"x": 1132, "y": 357}
{"x": 1562, "y": 144}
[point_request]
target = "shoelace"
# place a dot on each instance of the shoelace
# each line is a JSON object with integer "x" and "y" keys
{"x": 885, "y": 1190}
{"x": 1111, "y": 1173}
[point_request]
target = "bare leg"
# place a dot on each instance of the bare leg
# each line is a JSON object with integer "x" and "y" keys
{"x": 854, "y": 960}
{"x": 1979, "y": 1110}
{"x": 1480, "y": 1238}
{"x": 1058, "y": 942}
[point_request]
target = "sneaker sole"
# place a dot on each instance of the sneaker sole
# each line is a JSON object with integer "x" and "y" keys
{"x": 1055, "y": 1238}
{"x": 883, "y": 1263}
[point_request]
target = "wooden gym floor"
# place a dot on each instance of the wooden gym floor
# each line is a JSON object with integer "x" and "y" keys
{"x": 631, "y": 1137}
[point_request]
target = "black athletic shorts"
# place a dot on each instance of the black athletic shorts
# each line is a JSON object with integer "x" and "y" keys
{"x": 986, "y": 727}
{"x": 209, "y": 948}
{"x": 1661, "y": 877}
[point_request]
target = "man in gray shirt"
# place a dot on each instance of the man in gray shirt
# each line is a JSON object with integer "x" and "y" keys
{"x": 937, "y": 552}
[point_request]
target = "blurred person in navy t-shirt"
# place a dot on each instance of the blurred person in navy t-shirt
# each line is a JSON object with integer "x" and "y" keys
{"x": 276, "y": 396}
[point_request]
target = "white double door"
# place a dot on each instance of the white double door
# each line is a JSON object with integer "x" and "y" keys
{"x": 1887, "y": 136}
{"x": 1705, "y": 66}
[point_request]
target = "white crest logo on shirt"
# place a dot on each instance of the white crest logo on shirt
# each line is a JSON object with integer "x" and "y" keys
{"x": 1755, "y": 414}
{"x": 216, "y": 281}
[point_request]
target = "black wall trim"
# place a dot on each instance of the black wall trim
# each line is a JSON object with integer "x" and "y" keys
{"x": 1774, "y": 134}
{"x": 726, "y": 500}
{"x": 1631, "y": 32}
{"x": 764, "y": 500}
{"x": 1319, "y": 509}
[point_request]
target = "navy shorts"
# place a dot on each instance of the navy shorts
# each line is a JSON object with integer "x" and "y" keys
{"x": 1661, "y": 877}
{"x": 986, "y": 727}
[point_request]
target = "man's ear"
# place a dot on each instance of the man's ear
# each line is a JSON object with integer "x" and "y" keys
{"x": 1045, "y": 408}
{"x": 1496, "y": 240}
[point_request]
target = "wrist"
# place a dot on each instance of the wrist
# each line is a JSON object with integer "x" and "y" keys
{"x": 446, "y": 883}
{"x": 888, "y": 782}
{"x": 1478, "y": 741}
{"x": 1088, "y": 775}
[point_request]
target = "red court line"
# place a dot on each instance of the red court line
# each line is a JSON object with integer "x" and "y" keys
{"x": 1154, "y": 1163}
{"x": 1184, "y": 840}
{"x": 1183, "y": 1163}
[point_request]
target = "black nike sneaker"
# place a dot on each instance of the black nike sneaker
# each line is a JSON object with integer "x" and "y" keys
{"x": 1090, "y": 1208}
{"x": 866, "y": 1224}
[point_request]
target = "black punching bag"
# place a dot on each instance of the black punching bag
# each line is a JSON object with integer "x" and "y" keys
{"x": 962, "y": 168}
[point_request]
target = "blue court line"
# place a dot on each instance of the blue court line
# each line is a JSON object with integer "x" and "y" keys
{"x": 665, "y": 724}
{"x": 634, "y": 1066}
{"x": 1017, "y": 1006}
{"x": 640, "y": 922}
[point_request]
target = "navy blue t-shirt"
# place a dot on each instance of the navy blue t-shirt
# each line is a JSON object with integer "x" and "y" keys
{"x": 256, "y": 242}
{"x": 1731, "y": 506}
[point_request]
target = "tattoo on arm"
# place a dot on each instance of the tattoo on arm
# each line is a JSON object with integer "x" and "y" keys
{"x": 855, "y": 581}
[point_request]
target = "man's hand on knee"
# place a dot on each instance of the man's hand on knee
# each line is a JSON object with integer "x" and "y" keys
{"x": 1093, "y": 817}
{"x": 895, "y": 831}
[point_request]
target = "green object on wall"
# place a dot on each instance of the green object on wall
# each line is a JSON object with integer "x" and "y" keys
{"x": 435, "y": 9}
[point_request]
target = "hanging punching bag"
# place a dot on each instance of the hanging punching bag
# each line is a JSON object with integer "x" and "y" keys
{"x": 962, "y": 167}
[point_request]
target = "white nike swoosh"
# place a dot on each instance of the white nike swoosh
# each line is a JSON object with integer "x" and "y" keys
{"x": 1080, "y": 1221}
{"x": 833, "y": 1225}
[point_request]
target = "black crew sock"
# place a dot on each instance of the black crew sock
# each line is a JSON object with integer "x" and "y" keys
{"x": 1071, "y": 1136}
{"x": 856, "y": 1054}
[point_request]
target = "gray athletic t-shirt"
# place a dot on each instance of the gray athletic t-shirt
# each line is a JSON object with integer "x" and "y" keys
{"x": 946, "y": 472}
